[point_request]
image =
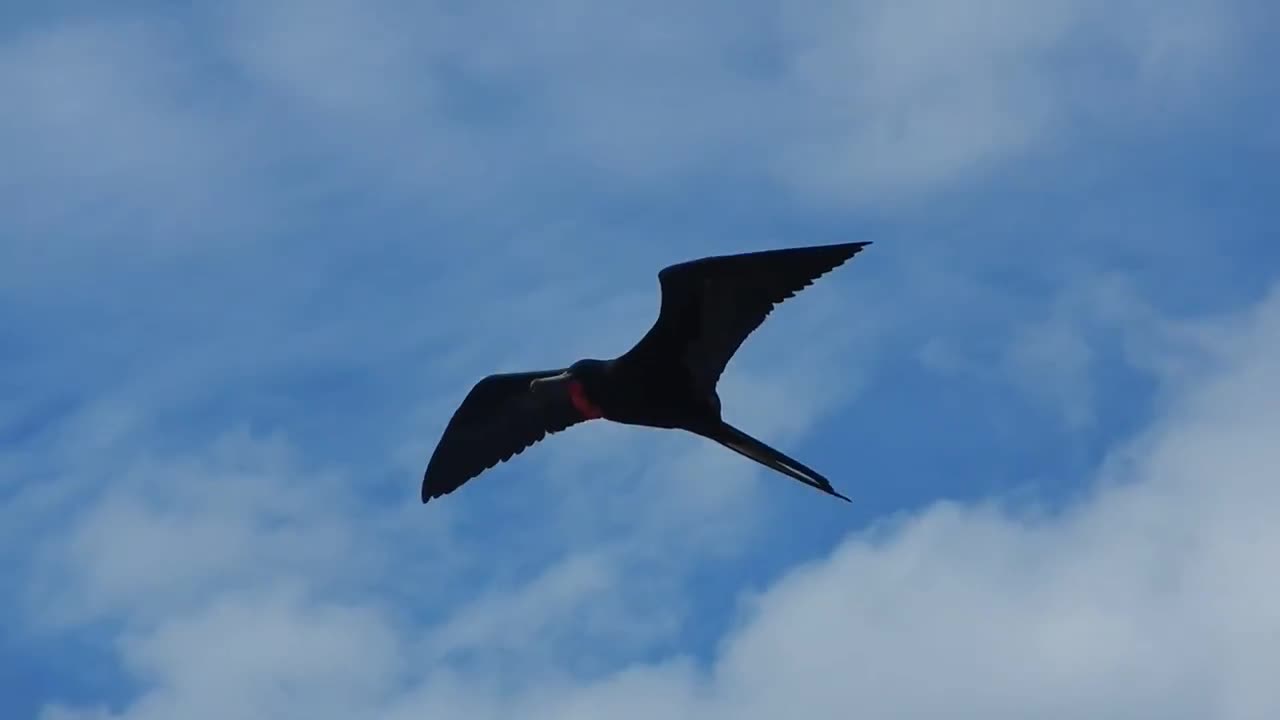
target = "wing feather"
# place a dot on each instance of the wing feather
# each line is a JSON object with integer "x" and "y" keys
{"x": 499, "y": 419}
{"x": 711, "y": 305}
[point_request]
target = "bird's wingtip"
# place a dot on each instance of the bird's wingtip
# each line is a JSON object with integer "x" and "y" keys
{"x": 853, "y": 247}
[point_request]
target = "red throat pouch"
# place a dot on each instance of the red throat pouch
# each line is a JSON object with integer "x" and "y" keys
{"x": 578, "y": 396}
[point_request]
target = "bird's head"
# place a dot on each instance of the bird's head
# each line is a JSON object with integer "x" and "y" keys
{"x": 584, "y": 381}
{"x": 586, "y": 372}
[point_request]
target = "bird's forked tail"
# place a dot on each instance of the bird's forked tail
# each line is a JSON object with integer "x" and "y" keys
{"x": 745, "y": 445}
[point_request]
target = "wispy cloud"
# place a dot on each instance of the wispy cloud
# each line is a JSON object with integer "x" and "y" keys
{"x": 1148, "y": 597}
{"x": 254, "y": 255}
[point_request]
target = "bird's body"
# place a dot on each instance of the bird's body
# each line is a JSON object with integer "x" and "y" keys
{"x": 661, "y": 395}
{"x": 666, "y": 380}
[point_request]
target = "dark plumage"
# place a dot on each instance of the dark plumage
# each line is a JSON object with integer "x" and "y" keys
{"x": 667, "y": 380}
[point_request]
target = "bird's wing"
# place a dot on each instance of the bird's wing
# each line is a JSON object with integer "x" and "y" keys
{"x": 710, "y": 306}
{"x": 498, "y": 419}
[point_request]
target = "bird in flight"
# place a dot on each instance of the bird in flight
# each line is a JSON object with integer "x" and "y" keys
{"x": 666, "y": 380}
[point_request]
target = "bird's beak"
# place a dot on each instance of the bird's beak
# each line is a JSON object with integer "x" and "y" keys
{"x": 539, "y": 383}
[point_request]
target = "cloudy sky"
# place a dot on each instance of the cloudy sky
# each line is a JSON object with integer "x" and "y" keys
{"x": 252, "y": 254}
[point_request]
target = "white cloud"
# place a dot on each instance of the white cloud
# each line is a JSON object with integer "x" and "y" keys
{"x": 247, "y": 585}
{"x": 335, "y": 58}
{"x": 1052, "y": 354}
{"x": 1151, "y": 597}
{"x": 264, "y": 653}
{"x": 163, "y": 533}
{"x": 112, "y": 149}
{"x": 1052, "y": 361}
{"x": 847, "y": 101}
{"x": 182, "y": 134}
{"x": 890, "y": 98}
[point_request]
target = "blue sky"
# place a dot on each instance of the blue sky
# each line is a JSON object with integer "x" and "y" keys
{"x": 252, "y": 255}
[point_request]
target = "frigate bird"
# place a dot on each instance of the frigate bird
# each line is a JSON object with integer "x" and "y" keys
{"x": 666, "y": 380}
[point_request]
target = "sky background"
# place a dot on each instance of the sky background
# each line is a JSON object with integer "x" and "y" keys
{"x": 253, "y": 254}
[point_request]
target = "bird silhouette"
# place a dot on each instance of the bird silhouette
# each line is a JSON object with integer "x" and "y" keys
{"x": 666, "y": 380}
